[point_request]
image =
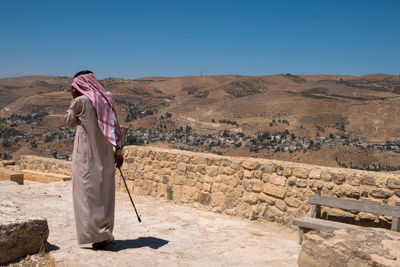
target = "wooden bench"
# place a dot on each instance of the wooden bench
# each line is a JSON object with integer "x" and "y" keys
{"x": 315, "y": 222}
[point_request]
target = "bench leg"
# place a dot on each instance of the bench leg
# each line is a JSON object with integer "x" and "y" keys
{"x": 301, "y": 233}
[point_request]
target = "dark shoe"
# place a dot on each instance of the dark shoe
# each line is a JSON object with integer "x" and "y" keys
{"x": 103, "y": 244}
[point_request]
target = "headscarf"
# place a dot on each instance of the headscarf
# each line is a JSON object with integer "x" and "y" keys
{"x": 103, "y": 103}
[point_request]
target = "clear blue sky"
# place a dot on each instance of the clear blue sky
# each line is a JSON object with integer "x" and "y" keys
{"x": 133, "y": 39}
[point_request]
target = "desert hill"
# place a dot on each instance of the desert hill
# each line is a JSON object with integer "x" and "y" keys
{"x": 351, "y": 120}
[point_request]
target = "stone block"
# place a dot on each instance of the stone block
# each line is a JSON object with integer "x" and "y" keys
{"x": 293, "y": 202}
{"x": 265, "y": 177}
{"x": 300, "y": 173}
{"x": 301, "y": 183}
{"x": 268, "y": 168}
{"x": 19, "y": 238}
{"x": 235, "y": 165}
{"x": 275, "y": 191}
{"x": 212, "y": 171}
{"x": 223, "y": 187}
{"x": 257, "y": 186}
{"x": 315, "y": 174}
{"x": 348, "y": 191}
{"x": 191, "y": 182}
{"x": 250, "y": 198}
{"x": 202, "y": 169}
{"x": 272, "y": 213}
{"x": 8, "y": 162}
{"x": 233, "y": 182}
{"x": 208, "y": 179}
{"x": 350, "y": 247}
{"x": 204, "y": 198}
{"x": 381, "y": 193}
{"x": 228, "y": 171}
{"x": 258, "y": 174}
{"x": 191, "y": 168}
{"x": 6, "y": 174}
{"x": 281, "y": 205}
{"x": 326, "y": 176}
{"x": 187, "y": 193}
{"x": 217, "y": 199}
{"x": 277, "y": 179}
{"x": 267, "y": 199}
{"x": 181, "y": 167}
{"x": 179, "y": 180}
{"x": 198, "y": 160}
{"x": 44, "y": 177}
{"x": 367, "y": 179}
{"x": 148, "y": 168}
{"x": 248, "y": 174}
{"x": 250, "y": 165}
{"x": 315, "y": 184}
{"x": 393, "y": 183}
{"x": 338, "y": 178}
{"x": 287, "y": 172}
{"x": 206, "y": 187}
{"x": 292, "y": 180}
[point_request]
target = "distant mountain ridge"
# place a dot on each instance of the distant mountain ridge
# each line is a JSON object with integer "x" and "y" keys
{"x": 312, "y": 106}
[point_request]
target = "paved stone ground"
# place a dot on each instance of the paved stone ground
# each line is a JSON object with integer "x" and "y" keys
{"x": 169, "y": 235}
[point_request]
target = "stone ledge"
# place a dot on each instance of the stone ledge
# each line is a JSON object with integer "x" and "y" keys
{"x": 11, "y": 175}
{"x": 44, "y": 177}
{"x": 21, "y": 237}
{"x": 350, "y": 247}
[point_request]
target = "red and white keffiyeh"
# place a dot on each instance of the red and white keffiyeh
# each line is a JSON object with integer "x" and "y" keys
{"x": 103, "y": 103}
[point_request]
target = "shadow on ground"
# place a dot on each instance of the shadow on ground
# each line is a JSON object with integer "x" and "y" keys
{"x": 151, "y": 242}
{"x": 51, "y": 247}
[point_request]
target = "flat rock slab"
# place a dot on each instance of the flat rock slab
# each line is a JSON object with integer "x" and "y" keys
{"x": 359, "y": 246}
{"x": 169, "y": 235}
{"x": 21, "y": 237}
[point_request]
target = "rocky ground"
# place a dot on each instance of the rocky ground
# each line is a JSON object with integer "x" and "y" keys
{"x": 169, "y": 235}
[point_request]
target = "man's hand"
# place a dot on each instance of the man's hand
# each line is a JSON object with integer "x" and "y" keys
{"x": 119, "y": 160}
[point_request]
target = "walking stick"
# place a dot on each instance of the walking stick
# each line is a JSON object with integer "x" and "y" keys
{"x": 127, "y": 190}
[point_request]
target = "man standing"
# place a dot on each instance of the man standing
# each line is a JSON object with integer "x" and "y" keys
{"x": 93, "y": 158}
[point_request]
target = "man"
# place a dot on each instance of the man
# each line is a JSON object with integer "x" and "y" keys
{"x": 93, "y": 158}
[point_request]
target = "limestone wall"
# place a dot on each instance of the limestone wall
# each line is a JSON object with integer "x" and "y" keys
{"x": 46, "y": 165}
{"x": 247, "y": 187}
{"x": 252, "y": 188}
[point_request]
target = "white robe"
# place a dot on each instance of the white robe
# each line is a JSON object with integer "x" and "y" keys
{"x": 93, "y": 172}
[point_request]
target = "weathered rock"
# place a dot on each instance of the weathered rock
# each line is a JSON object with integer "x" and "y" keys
{"x": 7, "y": 174}
{"x": 204, "y": 198}
{"x": 277, "y": 179}
{"x": 381, "y": 193}
{"x": 217, "y": 199}
{"x": 301, "y": 183}
{"x": 250, "y": 165}
{"x": 350, "y": 247}
{"x": 315, "y": 174}
{"x": 393, "y": 183}
{"x": 280, "y": 204}
{"x": 367, "y": 180}
{"x": 300, "y": 173}
{"x": 251, "y": 198}
{"x": 21, "y": 237}
{"x": 275, "y": 191}
{"x": 326, "y": 176}
{"x": 292, "y": 202}
{"x": 287, "y": 172}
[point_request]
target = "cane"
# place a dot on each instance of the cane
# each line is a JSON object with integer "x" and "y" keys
{"x": 127, "y": 190}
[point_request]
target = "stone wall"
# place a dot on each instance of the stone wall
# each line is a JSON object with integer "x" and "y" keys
{"x": 45, "y": 165}
{"x": 247, "y": 187}
{"x": 251, "y": 188}
{"x": 45, "y": 170}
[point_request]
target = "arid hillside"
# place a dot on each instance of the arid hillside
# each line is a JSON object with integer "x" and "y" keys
{"x": 349, "y": 121}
